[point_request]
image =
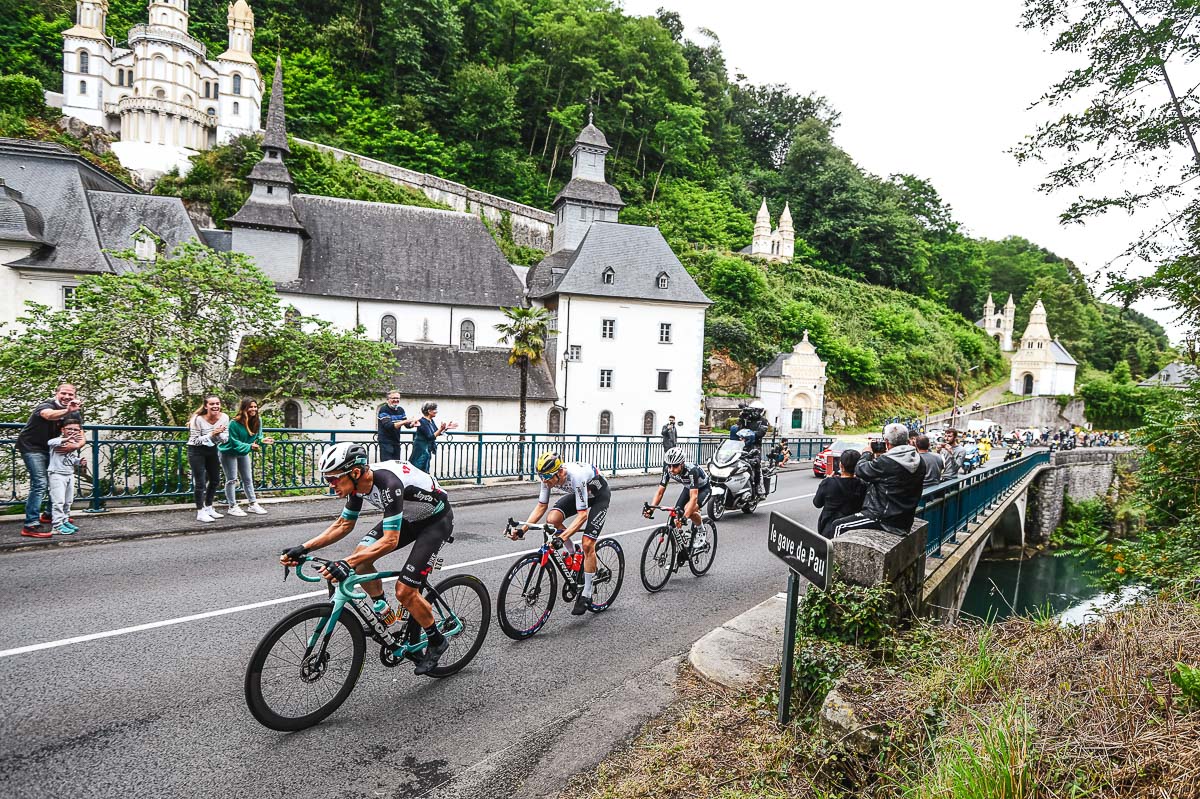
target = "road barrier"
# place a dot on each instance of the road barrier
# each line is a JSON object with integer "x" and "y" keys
{"x": 137, "y": 464}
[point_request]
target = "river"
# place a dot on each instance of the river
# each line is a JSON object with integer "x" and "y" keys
{"x": 1002, "y": 588}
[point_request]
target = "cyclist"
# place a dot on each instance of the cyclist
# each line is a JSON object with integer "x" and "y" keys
{"x": 696, "y": 491}
{"x": 587, "y": 498}
{"x": 415, "y": 511}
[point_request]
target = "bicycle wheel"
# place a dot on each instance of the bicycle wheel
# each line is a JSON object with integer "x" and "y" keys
{"x": 467, "y": 598}
{"x": 702, "y": 561}
{"x": 287, "y": 691}
{"x": 658, "y": 559}
{"x": 526, "y": 597}
{"x": 610, "y": 571}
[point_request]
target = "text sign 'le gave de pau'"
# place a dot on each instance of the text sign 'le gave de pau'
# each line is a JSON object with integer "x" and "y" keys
{"x": 804, "y": 551}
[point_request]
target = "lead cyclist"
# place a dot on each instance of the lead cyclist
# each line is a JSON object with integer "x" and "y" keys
{"x": 586, "y": 502}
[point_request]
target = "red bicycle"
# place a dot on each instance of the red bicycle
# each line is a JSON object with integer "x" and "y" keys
{"x": 670, "y": 546}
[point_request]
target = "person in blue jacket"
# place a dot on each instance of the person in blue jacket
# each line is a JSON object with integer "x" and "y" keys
{"x": 425, "y": 436}
{"x": 392, "y": 419}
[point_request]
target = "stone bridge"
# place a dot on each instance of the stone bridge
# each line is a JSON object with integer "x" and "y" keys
{"x": 1033, "y": 412}
{"x": 931, "y": 568}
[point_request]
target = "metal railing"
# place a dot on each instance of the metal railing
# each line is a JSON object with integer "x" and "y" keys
{"x": 950, "y": 507}
{"x": 139, "y": 464}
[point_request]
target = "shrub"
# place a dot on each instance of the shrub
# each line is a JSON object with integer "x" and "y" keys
{"x": 21, "y": 95}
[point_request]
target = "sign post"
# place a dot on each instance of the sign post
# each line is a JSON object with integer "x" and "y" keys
{"x": 807, "y": 555}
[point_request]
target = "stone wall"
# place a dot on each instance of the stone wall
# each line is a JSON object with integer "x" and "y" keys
{"x": 1032, "y": 412}
{"x": 1080, "y": 474}
{"x": 873, "y": 557}
{"x": 531, "y": 227}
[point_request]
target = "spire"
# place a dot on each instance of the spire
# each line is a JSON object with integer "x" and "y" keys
{"x": 276, "y": 136}
{"x": 785, "y": 219}
{"x": 1010, "y": 303}
{"x": 1037, "y": 329}
{"x": 240, "y": 21}
{"x": 989, "y": 308}
{"x": 764, "y": 216}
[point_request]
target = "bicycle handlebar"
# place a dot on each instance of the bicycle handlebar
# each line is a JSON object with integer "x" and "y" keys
{"x": 346, "y": 588}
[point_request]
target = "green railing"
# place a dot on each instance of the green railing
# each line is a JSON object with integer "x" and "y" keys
{"x": 136, "y": 464}
{"x": 951, "y": 507}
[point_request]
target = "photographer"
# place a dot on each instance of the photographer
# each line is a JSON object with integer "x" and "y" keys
{"x": 752, "y": 429}
{"x": 670, "y": 438}
{"x": 44, "y": 424}
{"x": 894, "y": 479}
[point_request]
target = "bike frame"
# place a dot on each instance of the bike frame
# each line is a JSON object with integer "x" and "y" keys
{"x": 346, "y": 593}
{"x": 675, "y": 525}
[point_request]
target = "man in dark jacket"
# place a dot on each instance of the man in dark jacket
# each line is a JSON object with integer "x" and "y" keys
{"x": 894, "y": 484}
{"x": 669, "y": 436}
{"x": 391, "y": 419}
{"x": 32, "y": 443}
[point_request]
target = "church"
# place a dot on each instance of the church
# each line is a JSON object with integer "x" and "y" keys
{"x": 629, "y": 318}
{"x": 775, "y": 245}
{"x": 999, "y": 323}
{"x": 1041, "y": 366}
{"x": 792, "y": 387}
{"x": 162, "y": 93}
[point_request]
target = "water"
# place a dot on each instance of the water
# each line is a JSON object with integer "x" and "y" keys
{"x": 1002, "y": 588}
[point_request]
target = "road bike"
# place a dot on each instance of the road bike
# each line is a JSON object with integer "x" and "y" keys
{"x": 670, "y": 546}
{"x": 528, "y": 591}
{"x": 307, "y": 665}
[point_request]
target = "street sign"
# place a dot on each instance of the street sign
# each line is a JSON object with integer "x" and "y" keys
{"x": 804, "y": 551}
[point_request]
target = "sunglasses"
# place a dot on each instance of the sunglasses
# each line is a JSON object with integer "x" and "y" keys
{"x": 332, "y": 479}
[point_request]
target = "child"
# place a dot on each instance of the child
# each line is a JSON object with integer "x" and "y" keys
{"x": 64, "y": 457}
{"x": 840, "y": 495}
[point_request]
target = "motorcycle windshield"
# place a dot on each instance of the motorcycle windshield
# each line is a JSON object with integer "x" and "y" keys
{"x": 727, "y": 453}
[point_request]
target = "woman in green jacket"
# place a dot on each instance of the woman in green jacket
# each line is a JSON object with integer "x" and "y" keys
{"x": 245, "y": 437}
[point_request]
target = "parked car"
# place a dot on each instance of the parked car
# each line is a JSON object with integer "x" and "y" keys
{"x": 826, "y": 461}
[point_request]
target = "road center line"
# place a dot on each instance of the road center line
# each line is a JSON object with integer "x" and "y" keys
{"x": 79, "y": 639}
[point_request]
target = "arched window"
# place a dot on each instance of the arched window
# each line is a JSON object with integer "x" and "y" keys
{"x": 554, "y": 421}
{"x": 1027, "y": 385}
{"x": 998, "y": 323}
{"x": 648, "y": 423}
{"x": 797, "y": 418}
{"x": 237, "y": 83}
{"x": 474, "y": 414}
{"x": 236, "y": 109}
{"x": 608, "y": 277}
{"x": 84, "y": 61}
{"x": 663, "y": 280}
{"x": 466, "y": 335}
{"x": 83, "y": 87}
{"x": 291, "y": 414}
{"x": 160, "y": 94}
{"x": 605, "y": 423}
{"x": 212, "y": 112}
{"x": 387, "y": 329}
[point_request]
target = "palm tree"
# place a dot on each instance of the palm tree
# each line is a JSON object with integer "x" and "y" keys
{"x": 526, "y": 330}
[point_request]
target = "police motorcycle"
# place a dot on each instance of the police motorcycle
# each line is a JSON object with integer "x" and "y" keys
{"x": 1015, "y": 451}
{"x": 730, "y": 472}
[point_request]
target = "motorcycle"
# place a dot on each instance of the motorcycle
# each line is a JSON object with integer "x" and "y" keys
{"x": 972, "y": 458}
{"x": 1014, "y": 452}
{"x": 732, "y": 480}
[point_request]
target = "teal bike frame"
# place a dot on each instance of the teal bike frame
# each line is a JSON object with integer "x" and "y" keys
{"x": 346, "y": 593}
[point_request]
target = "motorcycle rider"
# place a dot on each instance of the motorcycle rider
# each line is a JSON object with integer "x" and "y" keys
{"x": 752, "y": 429}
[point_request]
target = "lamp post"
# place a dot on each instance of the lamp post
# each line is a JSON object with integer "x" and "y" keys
{"x": 954, "y": 402}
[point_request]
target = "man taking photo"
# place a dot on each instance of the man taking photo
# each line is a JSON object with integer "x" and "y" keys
{"x": 894, "y": 483}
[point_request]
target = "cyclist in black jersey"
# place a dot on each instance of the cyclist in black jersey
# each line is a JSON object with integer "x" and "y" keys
{"x": 415, "y": 510}
{"x": 586, "y": 501}
{"x": 696, "y": 488}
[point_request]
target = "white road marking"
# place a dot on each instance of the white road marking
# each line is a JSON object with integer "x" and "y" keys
{"x": 79, "y": 639}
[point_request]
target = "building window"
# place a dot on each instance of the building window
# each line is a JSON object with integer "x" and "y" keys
{"x": 145, "y": 248}
{"x": 120, "y": 77}
{"x": 605, "y": 423}
{"x": 554, "y": 421}
{"x": 608, "y": 328}
{"x": 160, "y": 94}
{"x": 236, "y": 109}
{"x": 473, "y": 419}
{"x": 237, "y": 83}
{"x": 387, "y": 329}
{"x": 606, "y": 378}
{"x": 574, "y": 353}
{"x": 664, "y": 379}
{"x": 68, "y": 297}
{"x": 291, "y": 414}
{"x": 663, "y": 280}
{"x": 466, "y": 335}
{"x": 797, "y": 418}
{"x": 83, "y": 87}
{"x": 608, "y": 277}
{"x": 207, "y": 89}
{"x": 648, "y": 423}
{"x": 212, "y": 112}
{"x": 664, "y": 332}
{"x": 84, "y": 62}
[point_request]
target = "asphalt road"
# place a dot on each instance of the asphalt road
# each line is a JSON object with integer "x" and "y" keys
{"x": 159, "y": 712}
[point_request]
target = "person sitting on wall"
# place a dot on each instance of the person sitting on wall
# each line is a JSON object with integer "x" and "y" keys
{"x": 894, "y": 474}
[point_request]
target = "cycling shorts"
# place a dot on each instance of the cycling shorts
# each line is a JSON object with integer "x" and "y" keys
{"x": 597, "y": 511}
{"x": 426, "y": 537}
{"x": 686, "y": 494}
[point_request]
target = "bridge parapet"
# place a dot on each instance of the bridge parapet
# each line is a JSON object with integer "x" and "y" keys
{"x": 873, "y": 557}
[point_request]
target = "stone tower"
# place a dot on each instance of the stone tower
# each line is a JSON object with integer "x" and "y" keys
{"x": 761, "y": 243}
{"x": 787, "y": 234}
{"x": 774, "y": 245}
{"x": 266, "y": 227}
{"x": 587, "y": 197}
{"x": 999, "y": 324}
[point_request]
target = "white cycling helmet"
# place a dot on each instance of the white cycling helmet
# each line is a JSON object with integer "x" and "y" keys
{"x": 342, "y": 457}
{"x": 673, "y": 456}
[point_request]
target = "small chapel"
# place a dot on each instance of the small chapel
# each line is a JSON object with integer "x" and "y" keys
{"x": 792, "y": 387}
{"x": 999, "y": 322}
{"x": 1041, "y": 366}
{"x": 776, "y": 245}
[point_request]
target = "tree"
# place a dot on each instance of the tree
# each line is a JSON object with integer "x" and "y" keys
{"x": 144, "y": 345}
{"x": 526, "y": 330}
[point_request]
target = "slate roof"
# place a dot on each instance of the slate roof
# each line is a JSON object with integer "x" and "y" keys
{"x": 775, "y": 367}
{"x": 592, "y": 135}
{"x": 636, "y": 254}
{"x": 591, "y": 191}
{"x": 1061, "y": 356}
{"x": 219, "y": 240}
{"x": 271, "y": 171}
{"x": 19, "y": 221}
{"x": 276, "y": 135}
{"x": 438, "y": 371}
{"x": 545, "y": 274}
{"x": 402, "y": 253}
{"x": 1176, "y": 374}
{"x": 118, "y": 216}
{"x": 273, "y": 216}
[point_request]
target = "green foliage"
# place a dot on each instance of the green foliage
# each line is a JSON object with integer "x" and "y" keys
{"x": 846, "y": 613}
{"x": 21, "y": 95}
{"x": 992, "y": 758}
{"x": 1187, "y": 679}
{"x": 525, "y": 331}
{"x": 1085, "y": 524}
{"x": 1115, "y": 403}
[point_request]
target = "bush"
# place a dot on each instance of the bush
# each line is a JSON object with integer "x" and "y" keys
{"x": 21, "y": 95}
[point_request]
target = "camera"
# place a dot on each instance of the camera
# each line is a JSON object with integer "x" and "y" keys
{"x": 878, "y": 446}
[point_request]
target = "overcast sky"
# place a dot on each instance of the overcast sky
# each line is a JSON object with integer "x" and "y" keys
{"x": 936, "y": 88}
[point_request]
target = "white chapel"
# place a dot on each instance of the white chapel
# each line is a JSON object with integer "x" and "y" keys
{"x": 792, "y": 387}
{"x": 775, "y": 245}
{"x": 1041, "y": 366}
{"x": 999, "y": 322}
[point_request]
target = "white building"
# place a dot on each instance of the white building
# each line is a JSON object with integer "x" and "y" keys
{"x": 630, "y": 319}
{"x": 1176, "y": 374}
{"x": 792, "y": 387}
{"x": 778, "y": 245}
{"x": 999, "y": 323}
{"x": 1041, "y": 365}
{"x": 161, "y": 93}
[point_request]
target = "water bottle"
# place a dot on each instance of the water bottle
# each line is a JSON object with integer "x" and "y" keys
{"x": 385, "y": 613}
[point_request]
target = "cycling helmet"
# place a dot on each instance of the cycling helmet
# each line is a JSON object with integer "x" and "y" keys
{"x": 673, "y": 456}
{"x": 341, "y": 458}
{"x": 548, "y": 464}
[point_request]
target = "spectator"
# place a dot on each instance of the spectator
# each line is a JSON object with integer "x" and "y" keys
{"x": 391, "y": 419}
{"x": 952, "y": 453}
{"x": 933, "y": 463}
{"x": 33, "y": 443}
{"x": 670, "y": 438}
{"x": 207, "y": 428}
{"x": 894, "y": 484}
{"x": 780, "y": 454}
{"x": 425, "y": 436}
{"x": 63, "y": 452}
{"x": 839, "y": 495}
{"x": 245, "y": 437}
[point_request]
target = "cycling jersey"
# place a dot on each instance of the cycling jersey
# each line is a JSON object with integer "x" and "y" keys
{"x": 691, "y": 475}
{"x": 401, "y": 491}
{"x": 583, "y": 481}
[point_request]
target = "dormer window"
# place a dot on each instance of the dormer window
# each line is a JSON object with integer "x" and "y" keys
{"x": 145, "y": 248}
{"x": 663, "y": 280}
{"x": 608, "y": 277}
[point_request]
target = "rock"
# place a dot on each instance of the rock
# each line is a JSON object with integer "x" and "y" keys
{"x": 842, "y": 722}
{"x": 727, "y": 375}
